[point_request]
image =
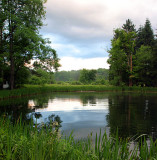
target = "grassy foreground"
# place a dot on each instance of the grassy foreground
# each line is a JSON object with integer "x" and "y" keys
{"x": 19, "y": 141}
{"x": 37, "y": 89}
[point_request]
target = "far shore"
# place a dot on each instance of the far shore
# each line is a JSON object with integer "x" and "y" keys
{"x": 28, "y": 90}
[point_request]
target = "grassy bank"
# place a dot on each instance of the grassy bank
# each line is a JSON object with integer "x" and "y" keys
{"x": 19, "y": 141}
{"x": 37, "y": 89}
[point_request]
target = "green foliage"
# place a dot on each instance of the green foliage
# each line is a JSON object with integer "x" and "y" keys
{"x": 132, "y": 57}
{"x": 100, "y": 82}
{"x": 40, "y": 76}
{"x": 129, "y": 26}
{"x": 22, "y": 141}
{"x": 67, "y": 75}
{"x": 20, "y": 40}
{"x": 87, "y": 76}
{"x": 118, "y": 60}
{"x": 143, "y": 66}
{"x": 72, "y": 77}
{"x": 22, "y": 76}
{"x": 36, "y": 80}
{"x": 145, "y": 35}
{"x": 102, "y": 73}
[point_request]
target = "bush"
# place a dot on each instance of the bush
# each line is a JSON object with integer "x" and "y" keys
{"x": 75, "y": 83}
{"x": 100, "y": 82}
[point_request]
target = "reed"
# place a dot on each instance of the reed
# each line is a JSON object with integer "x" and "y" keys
{"x": 22, "y": 141}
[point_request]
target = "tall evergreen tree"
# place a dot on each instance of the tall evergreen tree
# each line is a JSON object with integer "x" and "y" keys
{"x": 145, "y": 35}
{"x": 129, "y": 26}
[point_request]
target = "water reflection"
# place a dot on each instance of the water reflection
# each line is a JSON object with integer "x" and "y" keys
{"x": 132, "y": 114}
{"x": 88, "y": 99}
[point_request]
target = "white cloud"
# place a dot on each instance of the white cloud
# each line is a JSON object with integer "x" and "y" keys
{"x": 83, "y": 28}
{"x": 71, "y": 63}
{"x": 91, "y": 20}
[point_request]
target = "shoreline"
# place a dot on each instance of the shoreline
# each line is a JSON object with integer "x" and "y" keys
{"x": 29, "y": 90}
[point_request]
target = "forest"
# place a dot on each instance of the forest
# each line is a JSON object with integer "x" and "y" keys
{"x": 133, "y": 56}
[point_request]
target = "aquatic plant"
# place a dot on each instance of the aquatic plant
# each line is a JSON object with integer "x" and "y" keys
{"x": 22, "y": 141}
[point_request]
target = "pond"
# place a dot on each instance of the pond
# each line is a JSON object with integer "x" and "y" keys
{"x": 86, "y": 112}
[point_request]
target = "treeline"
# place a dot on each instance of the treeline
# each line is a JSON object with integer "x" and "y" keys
{"x": 40, "y": 76}
{"x": 21, "y": 42}
{"x": 84, "y": 76}
{"x": 133, "y": 56}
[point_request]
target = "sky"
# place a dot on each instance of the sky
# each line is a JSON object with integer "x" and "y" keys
{"x": 81, "y": 30}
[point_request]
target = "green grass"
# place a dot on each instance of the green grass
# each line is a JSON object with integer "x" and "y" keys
{"x": 37, "y": 89}
{"x": 20, "y": 141}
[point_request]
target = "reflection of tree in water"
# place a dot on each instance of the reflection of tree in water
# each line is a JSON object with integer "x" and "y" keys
{"x": 16, "y": 109}
{"x": 42, "y": 101}
{"x": 88, "y": 99}
{"x": 132, "y": 115}
{"x": 19, "y": 108}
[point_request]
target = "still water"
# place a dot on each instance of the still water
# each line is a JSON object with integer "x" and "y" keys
{"x": 83, "y": 113}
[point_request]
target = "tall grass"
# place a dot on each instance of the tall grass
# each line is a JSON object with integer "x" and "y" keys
{"x": 20, "y": 141}
{"x": 37, "y": 89}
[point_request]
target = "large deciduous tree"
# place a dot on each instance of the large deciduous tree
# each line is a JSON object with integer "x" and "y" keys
{"x": 23, "y": 19}
{"x": 118, "y": 63}
{"x": 2, "y": 41}
{"x": 120, "y": 56}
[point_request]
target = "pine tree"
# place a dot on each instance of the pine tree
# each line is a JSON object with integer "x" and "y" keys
{"x": 145, "y": 35}
{"x": 129, "y": 26}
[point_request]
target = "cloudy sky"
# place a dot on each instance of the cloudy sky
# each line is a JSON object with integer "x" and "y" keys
{"x": 81, "y": 30}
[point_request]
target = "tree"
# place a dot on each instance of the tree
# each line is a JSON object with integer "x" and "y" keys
{"x": 129, "y": 26}
{"x": 118, "y": 63}
{"x": 122, "y": 50}
{"x": 41, "y": 76}
{"x": 87, "y": 76}
{"x": 102, "y": 73}
{"x": 154, "y": 64}
{"x": 2, "y": 41}
{"x": 23, "y": 42}
{"x": 143, "y": 66}
{"x": 145, "y": 35}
